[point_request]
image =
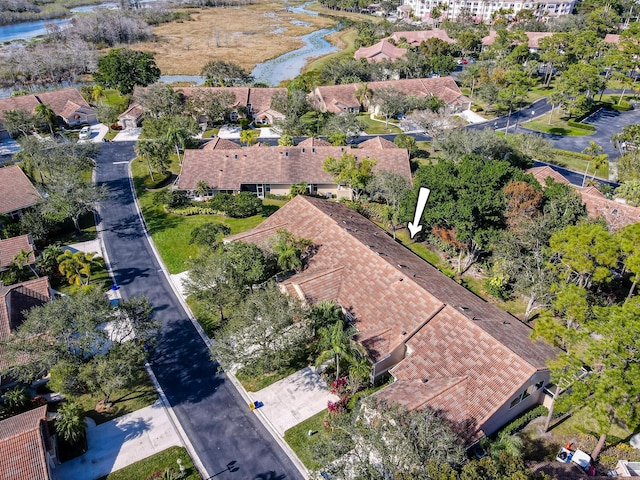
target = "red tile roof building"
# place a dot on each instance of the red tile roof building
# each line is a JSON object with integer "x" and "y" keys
{"x": 67, "y": 103}
{"x": 345, "y": 98}
{"x": 10, "y": 247}
{"x": 16, "y": 191}
{"x": 27, "y": 451}
{"x": 617, "y": 214}
{"x": 262, "y": 170}
{"x": 447, "y": 348}
{"x": 380, "y": 51}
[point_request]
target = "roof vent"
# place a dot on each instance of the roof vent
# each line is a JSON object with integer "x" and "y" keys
{"x": 424, "y": 380}
{"x": 506, "y": 322}
{"x": 313, "y": 150}
{"x": 404, "y": 332}
{"x": 345, "y": 222}
{"x": 347, "y": 229}
{"x": 475, "y": 318}
{"x": 286, "y": 154}
{"x": 464, "y": 309}
{"x": 400, "y": 265}
{"x": 371, "y": 246}
{"x": 303, "y": 150}
{"x": 235, "y": 156}
{"x": 382, "y": 254}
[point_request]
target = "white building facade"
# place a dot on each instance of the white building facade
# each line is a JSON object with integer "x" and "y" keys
{"x": 482, "y": 10}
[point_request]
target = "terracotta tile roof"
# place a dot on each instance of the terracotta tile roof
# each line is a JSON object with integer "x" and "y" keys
{"x": 470, "y": 375}
{"x": 382, "y": 50}
{"x": 612, "y": 38}
{"x": 134, "y": 111}
{"x": 542, "y": 173}
{"x": 332, "y": 98}
{"x": 15, "y": 299}
{"x": 217, "y": 143}
{"x": 533, "y": 38}
{"x": 16, "y": 191}
{"x": 615, "y": 213}
{"x": 22, "y": 446}
{"x": 407, "y": 290}
{"x": 10, "y": 247}
{"x": 229, "y": 169}
{"x": 415, "y": 38}
{"x": 314, "y": 142}
{"x": 56, "y": 99}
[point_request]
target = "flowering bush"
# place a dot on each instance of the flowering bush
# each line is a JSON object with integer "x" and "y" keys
{"x": 335, "y": 407}
{"x": 339, "y": 385}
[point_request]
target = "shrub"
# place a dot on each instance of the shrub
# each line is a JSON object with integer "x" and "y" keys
{"x": 581, "y": 126}
{"x": 244, "y": 204}
{"x": 191, "y": 210}
{"x": 520, "y": 422}
{"x": 115, "y": 126}
{"x": 623, "y": 106}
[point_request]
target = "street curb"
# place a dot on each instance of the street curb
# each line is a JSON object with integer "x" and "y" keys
{"x": 208, "y": 342}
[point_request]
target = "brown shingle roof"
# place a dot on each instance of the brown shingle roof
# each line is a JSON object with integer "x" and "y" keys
{"x": 134, "y": 111}
{"x": 382, "y": 50}
{"x": 616, "y": 214}
{"x": 15, "y": 299}
{"x": 56, "y": 99}
{"x": 217, "y": 143}
{"x": 473, "y": 354}
{"x": 314, "y": 142}
{"x": 22, "y": 446}
{"x": 229, "y": 169}
{"x": 331, "y": 98}
{"x": 10, "y": 247}
{"x": 451, "y": 347}
{"x": 406, "y": 289}
{"x": 16, "y": 191}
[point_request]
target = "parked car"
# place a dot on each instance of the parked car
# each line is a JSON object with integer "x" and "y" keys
{"x": 463, "y": 61}
{"x": 85, "y": 133}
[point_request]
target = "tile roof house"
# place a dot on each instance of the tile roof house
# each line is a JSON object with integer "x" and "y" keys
{"x": 67, "y": 103}
{"x": 132, "y": 116}
{"x": 446, "y": 348}
{"x": 14, "y": 301}
{"x": 533, "y": 39}
{"x": 344, "y": 98}
{"x": 10, "y": 247}
{"x": 415, "y": 38}
{"x": 382, "y": 50}
{"x": 27, "y": 450}
{"x": 263, "y": 170}
{"x": 617, "y": 214}
{"x": 16, "y": 191}
{"x": 217, "y": 143}
{"x": 257, "y": 101}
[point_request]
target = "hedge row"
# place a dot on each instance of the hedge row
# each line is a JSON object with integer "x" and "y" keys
{"x": 581, "y": 126}
{"x": 520, "y": 422}
{"x": 622, "y": 106}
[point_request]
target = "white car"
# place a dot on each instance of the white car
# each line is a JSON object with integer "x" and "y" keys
{"x": 85, "y": 133}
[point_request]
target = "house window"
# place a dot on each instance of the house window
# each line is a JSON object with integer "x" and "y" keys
{"x": 313, "y": 189}
{"x": 514, "y": 402}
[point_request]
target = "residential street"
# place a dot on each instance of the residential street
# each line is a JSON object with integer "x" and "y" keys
{"x": 218, "y": 423}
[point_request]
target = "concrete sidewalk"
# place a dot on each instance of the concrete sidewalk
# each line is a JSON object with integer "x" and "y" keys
{"x": 293, "y": 399}
{"x": 121, "y": 442}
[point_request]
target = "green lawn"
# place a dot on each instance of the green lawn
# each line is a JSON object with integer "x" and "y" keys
{"x": 578, "y": 162}
{"x": 558, "y": 125}
{"x": 374, "y": 127}
{"x": 153, "y": 466}
{"x": 254, "y": 383}
{"x": 300, "y": 442}
{"x": 115, "y": 99}
{"x": 124, "y": 401}
{"x": 210, "y": 132}
{"x": 171, "y": 233}
{"x": 346, "y": 40}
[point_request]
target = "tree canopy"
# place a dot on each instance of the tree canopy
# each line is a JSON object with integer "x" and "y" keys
{"x": 123, "y": 69}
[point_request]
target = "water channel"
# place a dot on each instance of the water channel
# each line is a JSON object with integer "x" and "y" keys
{"x": 271, "y": 72}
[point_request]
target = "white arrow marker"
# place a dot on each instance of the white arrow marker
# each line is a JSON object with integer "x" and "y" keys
{"x": 415, "y": 227}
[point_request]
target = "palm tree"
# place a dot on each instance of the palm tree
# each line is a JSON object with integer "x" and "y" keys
{"x": 336, "y": 342}
{"x": 97, "y": 92}
{"x": 325, "y": 313}
{"x": 249, "y": 137}
{"x": 70, "y": 423}
{"x": 555, "y": 99}
{"x": 77, "y": 266}
{"x": 510, "y": 444}
{"x": 594, "y": 152}
{"x": 16, "y": 399}
{"x": 47, "y": 114}
{"x": 202, "y": 188}
{"x": 177, "y": 136}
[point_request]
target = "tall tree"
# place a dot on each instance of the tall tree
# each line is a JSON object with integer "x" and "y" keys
{"x": 350, "y": 171}
{"x": 19, "y": 122}
{"x": 160, "y": 100}
{"x": 123, "y": 69}
{"x": 215, "y": 106}
{"x": 225, "y": 74}
{"x": 629, "y": 238}
{"x": 391, "y": 188}
{"x": 155, "y": 153}
{"x": 389, "y": 102}
{"x": 594, "y": 152}
{"x": 47, "y": 115}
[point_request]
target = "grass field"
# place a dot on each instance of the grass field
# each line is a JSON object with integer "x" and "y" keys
{"x": 123, "y": 401}
{"x": 300, "y": 442}
{"x": 246, "y": 35}
{"x": 344, "y": 40}
{"x": 557, "y": 126}
{"x": 578, "y": 162}
{"x": 171, "y": 233}
{"x": 375, "y": 127}
{"x": 155, "y": 465}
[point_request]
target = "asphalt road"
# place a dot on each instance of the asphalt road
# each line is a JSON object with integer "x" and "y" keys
{"x": 214, "y": 416}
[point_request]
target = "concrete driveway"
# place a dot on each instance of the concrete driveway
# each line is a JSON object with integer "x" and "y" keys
{"x": 293, "y": 399}
{"x": 121, "y": 442}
